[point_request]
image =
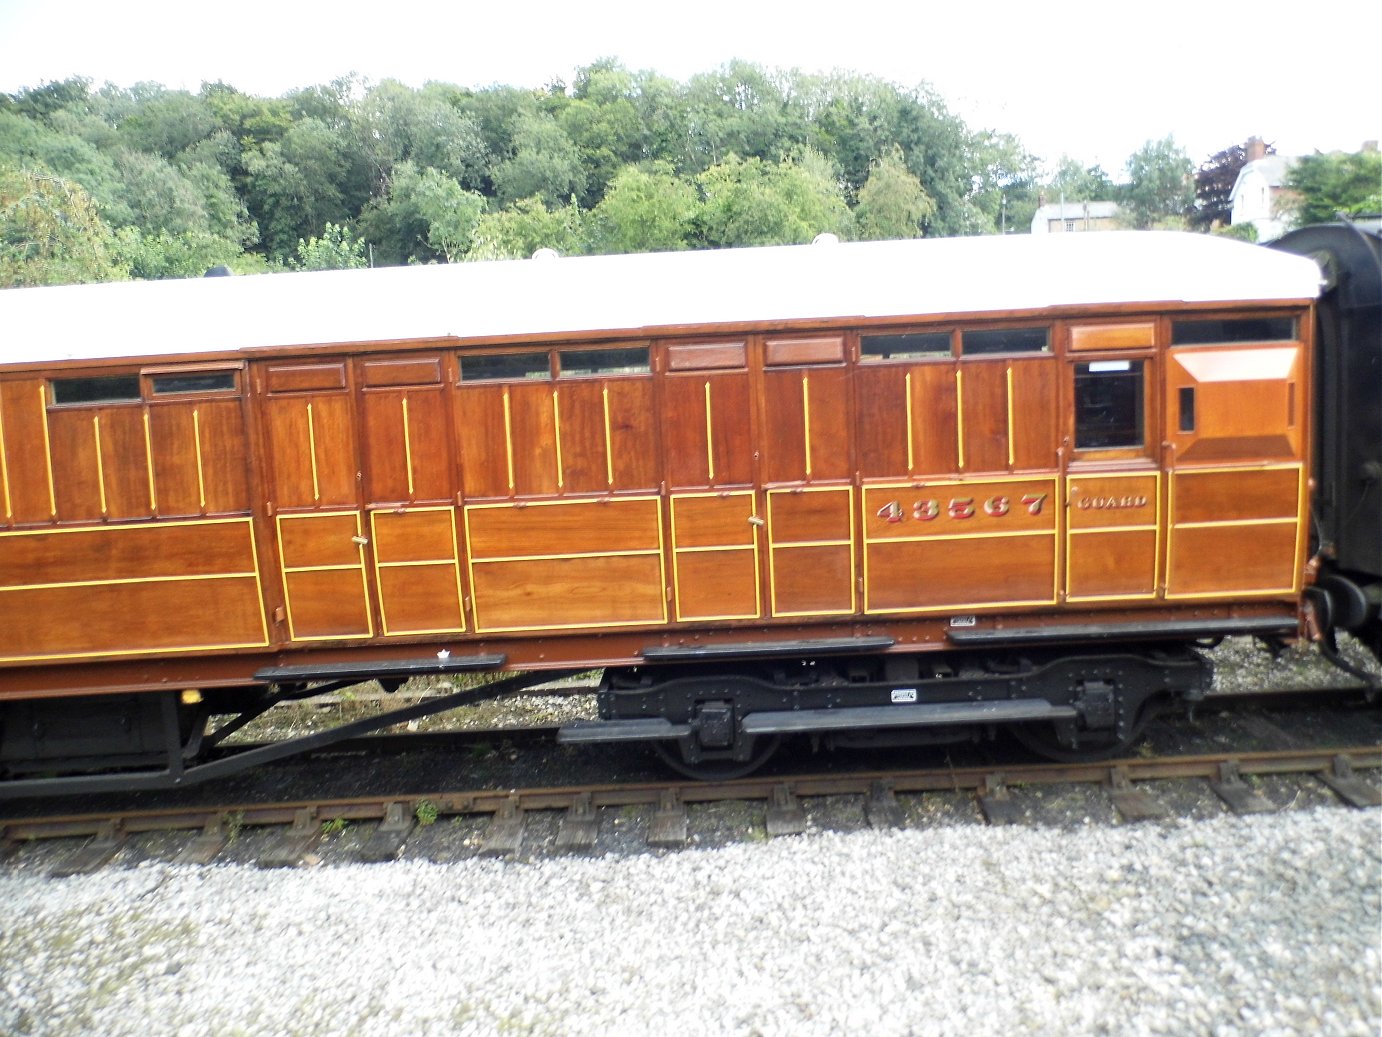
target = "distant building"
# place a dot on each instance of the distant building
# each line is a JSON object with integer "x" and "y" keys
{"x": 1075, "y": 217}
{"x": 1259, "y": 193}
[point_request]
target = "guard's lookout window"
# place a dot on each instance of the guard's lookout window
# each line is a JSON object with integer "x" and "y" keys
{"x": 1108, "y": 404}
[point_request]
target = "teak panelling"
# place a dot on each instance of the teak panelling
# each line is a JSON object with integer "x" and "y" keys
{"x": 715, "y": 556}
{"x": 880, "y": 427}
{"x": 1112, "y": 563}
{"x": 984, "y": 409}
{"x": 311, "y": 450}
{"x": 633, "y": 435}
{"x": 1249, "y": 403}
{"x": 401, "y": 371}
{"x": 705, "y": 356}
{"x": 533, "y": 433}
{"x": 1221, "y": 561}
{"x": 483, "y": 438}
{"x": 549, "y": 593}
{"x": 135, "y": 552}
{"x": 820, "y": 349}
{"x": 1131, "y": 335}
{"x": 934, "y": 427}
{"x": 1100, "y": 500}
{"x": 815, "y": 580}
{"x": 417, "y": 571}
{"x": 221, "y": 425}
{"x": 805, "y": 412}
{"x": 563, "y": 528}
{"x": 586, "y": 465}
{"x": 305, "y": 377}
{"x": 414, "y": 536}
{"x": 1235, "y": 495}
{"x": 934, "y": 574}
{"x": 307, "y": 541}
{"x": 323, "y": 572}
{"x": 131, "y": 618}
{"x": 1036, "y": 413}
{"x": 695, "y": 405}
{"x": 407, "y": 448}
{"x": 801, "y": 516}
{"x": 76, "y": 465}
{"x": 22, "y": 416}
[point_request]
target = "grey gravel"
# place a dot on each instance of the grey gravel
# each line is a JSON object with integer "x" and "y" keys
{"x": 1260, "y": 925}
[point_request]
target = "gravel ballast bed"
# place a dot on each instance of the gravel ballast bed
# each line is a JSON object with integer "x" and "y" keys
{"x": 1259, "y": 925}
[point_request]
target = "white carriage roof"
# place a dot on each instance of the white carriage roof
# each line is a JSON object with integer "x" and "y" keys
{"x": 587, "y": 295}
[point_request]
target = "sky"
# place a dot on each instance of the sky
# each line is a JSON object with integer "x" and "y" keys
{"x": 1091, "y": 79}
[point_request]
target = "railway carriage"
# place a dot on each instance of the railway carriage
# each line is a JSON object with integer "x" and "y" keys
{"x": 860, "y": 491}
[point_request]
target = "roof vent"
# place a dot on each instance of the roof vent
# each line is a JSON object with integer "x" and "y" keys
{"x": 546, "y": 253}
{"x": 219, "y": 271}
{"x": 826, "y": 238}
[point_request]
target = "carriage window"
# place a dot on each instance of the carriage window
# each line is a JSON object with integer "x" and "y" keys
{"x": 1108, "y": 404}
{"x": 200, "y": 382}
{"x": 1005, "y": 340}
{"x": 505, "y": 367}
{"x": 122, "y": 388}
{"x": 587, "y": 363}
{"x": 1232, "y": 329}
{"x": 930, "y": 345}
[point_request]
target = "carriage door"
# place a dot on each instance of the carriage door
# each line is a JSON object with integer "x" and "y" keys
{"x": 807, "y": 477}
{"x": 314, "y": 499}
{"x": 708, "y": 433}
{"x": 1113, "y": 481}
{"x": 409, "y": 485}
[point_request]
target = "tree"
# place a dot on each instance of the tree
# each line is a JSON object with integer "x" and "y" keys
{"x": 1077, "y": 183}
{"x": 646, "y": 209}
{"x": 545, "y": 164}
{"x": 1214, "y": 182}
{"x": 164, "y": 254}
{"x": 1160, "y": 191}
{"x": 752, "y": 202}
{"x": 526, "y": 226}
{"x": 425, "y": 216}
{"x": 892, "y": 202}
{"x": 336, "y": 249}
{"x": 1004, "y": 177}
{"x": 50, "y": 233}
{"x": 1327, "y": 185}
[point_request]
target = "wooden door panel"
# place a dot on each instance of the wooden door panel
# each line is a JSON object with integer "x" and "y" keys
{"x": 934, "y": 429}
{"x": 24, "y": 438}
{"x": 323, "y": 568}
{"x": 311, "y": 450}
{"x": 706, "y": 430}
{"x": 407, "y": 449}
{"x": 804, "y": 413}
{"x": 1036, "y": 424}
{"x": 1113, "y": 535}
{"x": 811, "y": 551}
{"x": 715, "y": 556}
{"x": 483, "y": 434}
{"x": 984, "y": 415}
{"x": 417, "y": 571}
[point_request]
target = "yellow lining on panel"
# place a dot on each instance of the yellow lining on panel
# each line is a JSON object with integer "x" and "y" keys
{"x": 407, "y": 445}
{"x": 48, "y": 453}
{"x": 201, "y": 475}
{"x": 911, "y": 463}
{"x": 454, "y": 561}
{"x": 774, "y": 547}
{"x": 806, "y": 419}
{"x": 508, "y": 435}
{"x": 556, "y": 426}
{"x": 960, "y": 418}
{"x": 1299, "y": 520}
{"x": 149, "y": 456}
{"x": 259, "y": 589}
{"x": 677, "y": 552}
{"x": 1154, "y": 526}
{"x": 1053, "y": 533}
{"x": 609, "y": 444}
{"x": 284, "y": 570}
{"x": 100, "y": 462}
{"x": 312, "y": 449}
{"x": 1010, "y": 414}
{"x": 5, "y": 466}
{"x": 472, "y": 561}
{"x": 709, "y": 438}
{"x": 502, "y": 559}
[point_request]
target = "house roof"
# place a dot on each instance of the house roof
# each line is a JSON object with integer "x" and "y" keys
{"x": 1272, "y": 169}
{"x": 1077, "y": 211}
{"x": 640, "y": 294}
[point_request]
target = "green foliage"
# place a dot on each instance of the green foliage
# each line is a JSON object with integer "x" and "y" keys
{"x": 545, "y": 164}
{"x": 426, "y": 812}
{"x": 645, "y": 209}
{"x": 1161, "y": 190}
{"x": 51, "y": 233}
{"x": 166, "y": 254}
{"x": 1078, "y": 183}
{"x": 425, "y": 216}
{"x": 1327, "y": 185}
{"x": 752, "y": 202}
{"x": 528, "y": 225}
{"x": 336, "y": 249}
{"x": 892, "y": 202}
{"x": 1238, "y": 231}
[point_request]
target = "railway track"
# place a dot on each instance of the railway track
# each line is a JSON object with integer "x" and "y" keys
{"x": 1130, "y": 785}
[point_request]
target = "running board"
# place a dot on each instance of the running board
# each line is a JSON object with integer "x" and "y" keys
{"x": 1191, "y": 628}
{"x": 642, "y": 729}
{"x": 846, "y": 718}
{"x": 758, "y": 649}
{"x": 936, "y": 714}
{"x": 368, "y": 671}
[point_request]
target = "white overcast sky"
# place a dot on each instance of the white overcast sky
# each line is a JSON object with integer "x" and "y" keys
{"x": 1094, "y": 79}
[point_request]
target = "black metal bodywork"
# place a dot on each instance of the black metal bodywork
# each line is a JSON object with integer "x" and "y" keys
{"x": 1347, "y": 502}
